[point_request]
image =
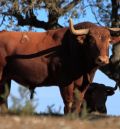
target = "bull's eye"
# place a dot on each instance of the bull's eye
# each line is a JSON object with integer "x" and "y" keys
{"x": 92, "y": 41}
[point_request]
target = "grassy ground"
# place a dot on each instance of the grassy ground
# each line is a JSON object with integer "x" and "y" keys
{"x": 58, "y": 122}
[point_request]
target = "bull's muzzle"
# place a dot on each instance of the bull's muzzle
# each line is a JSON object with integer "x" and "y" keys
{"x": 102, "y": 60}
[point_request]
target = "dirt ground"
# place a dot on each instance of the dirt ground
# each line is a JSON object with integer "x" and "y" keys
{"x": 58, "y": 122}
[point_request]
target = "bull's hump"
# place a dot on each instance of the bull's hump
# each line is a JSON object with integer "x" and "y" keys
{"x": 85, "y": 25}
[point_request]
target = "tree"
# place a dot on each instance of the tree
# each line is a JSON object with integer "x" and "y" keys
{"x": 26, "y": 11}
{"x": 18, "y": 13}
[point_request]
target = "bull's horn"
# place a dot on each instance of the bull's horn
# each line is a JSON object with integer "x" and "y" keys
{"x": 112, "y": 88}
{"x": 77, "y": 32}
{"x": 114, "y": 29}
{"x": 116, "y": 86}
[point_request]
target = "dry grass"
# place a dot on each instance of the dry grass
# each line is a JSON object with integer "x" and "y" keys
{"x": 58, "y": 122}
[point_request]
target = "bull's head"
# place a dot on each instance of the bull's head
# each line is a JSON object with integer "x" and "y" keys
{"x": 97, "y": 40}
{"x": 96, "y": 96}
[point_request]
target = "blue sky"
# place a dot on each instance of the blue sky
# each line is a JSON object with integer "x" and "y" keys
{"x": 51, "y": 95}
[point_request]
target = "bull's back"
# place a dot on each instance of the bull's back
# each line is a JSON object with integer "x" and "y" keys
{"x": 27, "y": 42}
{"x": 33, "y": 42}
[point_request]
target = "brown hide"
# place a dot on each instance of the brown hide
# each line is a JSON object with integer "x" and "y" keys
{"x": 55, "y": 57}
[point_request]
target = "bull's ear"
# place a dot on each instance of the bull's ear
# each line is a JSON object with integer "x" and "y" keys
{"x": 115, "y": 39}
{"x": 81, "y": 38}
{"x": 110, "y": 92}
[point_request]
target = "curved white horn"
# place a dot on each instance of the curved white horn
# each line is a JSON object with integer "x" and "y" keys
{"x": 114, "y": 29}
{"x": 77, "y": 32}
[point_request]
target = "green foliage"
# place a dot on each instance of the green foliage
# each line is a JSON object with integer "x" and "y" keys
{"x": 84, "y": 112}
{"x": 18, "y": 13}
{"x": 28, "y": 108}
{"x": 52, "y": 111}
{"x": 23, "y": 105}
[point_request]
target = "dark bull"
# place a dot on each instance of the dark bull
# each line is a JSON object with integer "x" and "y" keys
{"x": 96, "y": 97}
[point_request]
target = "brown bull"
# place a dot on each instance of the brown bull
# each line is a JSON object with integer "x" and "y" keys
{"x": 64, "y": 57}
{"x": 96, "y": 97}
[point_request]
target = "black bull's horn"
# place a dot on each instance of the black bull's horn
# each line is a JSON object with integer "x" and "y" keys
{"x": 77, "y": 32}
{"x": 112, "y": 88}
{"x": 114, "y": 31}
{"x": 116, "y": 86}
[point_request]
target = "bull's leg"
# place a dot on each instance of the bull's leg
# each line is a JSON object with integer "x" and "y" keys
{"x": 78, "y": 98}
{"x": 2, "y": 65}
{"x": 4, "y": 107}
{"x": 80, "y": 87}
{"x": 67, "y": 95}
{"x": 4, "y": 93}
{"x": 72, "y": 98}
